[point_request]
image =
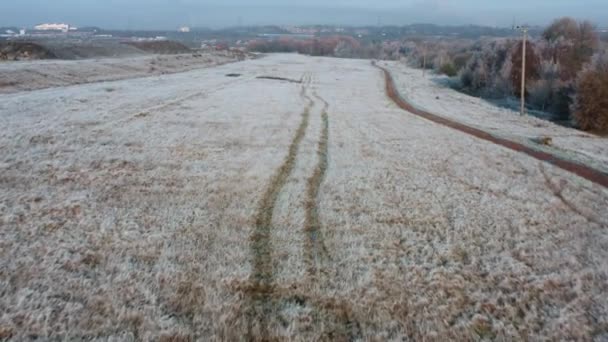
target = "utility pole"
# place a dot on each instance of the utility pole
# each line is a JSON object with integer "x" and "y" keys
{"x": 524, "y": 30}
{"x": 424, "y": 60}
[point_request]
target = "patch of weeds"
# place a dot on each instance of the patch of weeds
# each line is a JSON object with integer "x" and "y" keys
{"x": 482, "y": 327}
{"x": 91, "y": 259}
{"x": 188, "y": 298}
{"x": 6, "y": 332}
{"x": 544, "y": 140}
{"x": 461, "y": 255}
{"x": 7, "y": 84}
{"x": 175, "y": 337}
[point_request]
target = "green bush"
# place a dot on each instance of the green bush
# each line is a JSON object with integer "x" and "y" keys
{"x": 448, "y": 69}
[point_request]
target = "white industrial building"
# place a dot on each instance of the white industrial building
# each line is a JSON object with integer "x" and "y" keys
{"x": 53, "y": 27}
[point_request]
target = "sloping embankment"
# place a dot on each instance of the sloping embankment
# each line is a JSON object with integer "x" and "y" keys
{"x": 584, "y": 171}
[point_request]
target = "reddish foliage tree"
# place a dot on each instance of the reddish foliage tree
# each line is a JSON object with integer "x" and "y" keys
{"x": 532, "y": 65}
{"x": 562, "y": 27}
{"x": 571, "y": 45}
{"x": 324, "y": 46}
{"x": 590, "y": 108}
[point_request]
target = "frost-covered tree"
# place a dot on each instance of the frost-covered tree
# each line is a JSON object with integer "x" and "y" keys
{"x": 571, "y": 44}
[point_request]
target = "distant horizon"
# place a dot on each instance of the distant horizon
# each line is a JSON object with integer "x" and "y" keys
{"x": 271, "y": 25}
{"x": 171, "y": 14}
{"x": 257, "y": 26}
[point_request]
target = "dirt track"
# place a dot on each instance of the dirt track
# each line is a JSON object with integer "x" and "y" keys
{"x": 581, "y": 170}
{"x": 210, "y": 207}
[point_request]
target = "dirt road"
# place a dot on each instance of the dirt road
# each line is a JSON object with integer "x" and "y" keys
{"x": 554, "y": 157}
{"x": 303, "y": 205}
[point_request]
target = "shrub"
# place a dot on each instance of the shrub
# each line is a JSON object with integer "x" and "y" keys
{"x": 562, "y": 101}
{"x": 477, "y": 77}
{"x": 543, "y": 92}
{"x": 590, "y": 107}
{"x": 448, "y": 69}
{"x": 466, "y": 78}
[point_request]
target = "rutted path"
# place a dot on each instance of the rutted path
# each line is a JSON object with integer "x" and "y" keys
{"x": 315, "y": 250}
{"x": 265, "y": 296}
{"x": 591, "y": 174}
{"x": 261, "y": 247}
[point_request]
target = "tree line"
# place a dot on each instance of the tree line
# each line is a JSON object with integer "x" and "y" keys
{"x": 566, "y": 69}
{"x": 566, "y": 65}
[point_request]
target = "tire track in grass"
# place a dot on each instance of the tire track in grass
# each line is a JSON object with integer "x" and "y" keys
{"x": 265, "y": 299}
{"x": 338, "y": 319}
{"x": 260, "y": 292}
{"x": 315, "y": 251}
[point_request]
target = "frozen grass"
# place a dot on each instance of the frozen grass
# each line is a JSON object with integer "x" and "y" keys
{"x": 119, "y": 225}
{"x": 31, "y": 75}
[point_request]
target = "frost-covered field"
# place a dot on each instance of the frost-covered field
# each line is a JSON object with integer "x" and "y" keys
{"x": 31, "y": 75}
{"x": 427, "y": 93}
{"x": 196, "y": 206}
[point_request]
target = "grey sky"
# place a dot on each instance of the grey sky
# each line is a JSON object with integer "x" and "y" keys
{"x": 168, "y": 14}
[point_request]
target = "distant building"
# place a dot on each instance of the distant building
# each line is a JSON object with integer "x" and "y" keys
{"x": 22, "y": 32}
{"x": 184, "y": 29}
{"x": 301, "y": 30}
{"x": 53, "y": 27}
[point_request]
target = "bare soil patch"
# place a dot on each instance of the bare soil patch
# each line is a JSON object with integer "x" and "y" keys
{"x": 23, "y": 51}
{"x": 276, "y": 78}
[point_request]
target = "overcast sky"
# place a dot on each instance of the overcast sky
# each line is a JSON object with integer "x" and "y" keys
{"x": 169, "y": 14}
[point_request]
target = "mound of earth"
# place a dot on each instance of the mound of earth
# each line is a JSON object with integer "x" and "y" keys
{"x": 161, "y": 47}
{"x": 17, "y": 51}
{"x": 92, "y": 49}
